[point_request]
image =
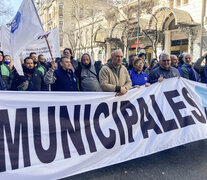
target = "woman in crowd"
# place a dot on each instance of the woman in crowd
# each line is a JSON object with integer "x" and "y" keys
{"x": 153, "y": 62}
{"x": 138, "y": 77}
{"x": 5, "y": 72}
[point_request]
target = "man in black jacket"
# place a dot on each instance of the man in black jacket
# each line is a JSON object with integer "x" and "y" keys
{"x": 32, "y": 80}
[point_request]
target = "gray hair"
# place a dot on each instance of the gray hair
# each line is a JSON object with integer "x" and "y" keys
{"x": 185, "y": 54}
{"x": 163, "y": 54}
{"x": 172, "y": 55}
{"x": 112, "y": 55}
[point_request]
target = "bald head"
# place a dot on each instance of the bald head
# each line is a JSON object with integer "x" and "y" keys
{"x": 174, "y": 60}
{"x": 117, "y": 58}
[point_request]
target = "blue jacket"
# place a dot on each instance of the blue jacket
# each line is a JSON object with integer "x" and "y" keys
{"x": 138, "y": 79}
{"x": 189, "y": 72}
{"x": 179, "y": 69}
{"x": 65, "y": 80}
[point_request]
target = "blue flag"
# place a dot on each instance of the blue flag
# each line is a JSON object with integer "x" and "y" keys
{"x": 26, "y": 27}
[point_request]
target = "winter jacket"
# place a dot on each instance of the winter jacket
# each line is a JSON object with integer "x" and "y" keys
{"x": 2, "y": 86}
{"x": 179, "y": 69}
{"x": 189, "y": 72}
{"x": 61, "y": 80}
{"x": 88, "y": 76}
{"x": 111, "y": 81}
{"x": 138, "y": 79}
{"x": 32, "y": 80}
{"x": 202, "y": 70}
{"x": 6, "y": 75}
{"x": 161, "y": 72}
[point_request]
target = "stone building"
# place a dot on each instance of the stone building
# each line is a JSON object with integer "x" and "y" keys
{"x": 99, "y": 27}
{"x": 171, "y": 25}
{"x": 65, "y": 14}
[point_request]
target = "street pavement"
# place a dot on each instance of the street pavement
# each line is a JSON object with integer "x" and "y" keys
{"x": 188, "y": 162}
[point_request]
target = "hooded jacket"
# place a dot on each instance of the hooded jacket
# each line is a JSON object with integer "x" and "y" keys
{"x": 88, "y": 75}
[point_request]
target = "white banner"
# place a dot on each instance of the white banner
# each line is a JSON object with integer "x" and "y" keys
{"x": 40, "y": 46}
{"x": 54, "y": 135}
{"x": 5, "y": 40}
{"x": 25, "y": 28}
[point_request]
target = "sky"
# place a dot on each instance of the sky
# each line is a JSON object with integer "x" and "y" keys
{"x": 14, "y": 6}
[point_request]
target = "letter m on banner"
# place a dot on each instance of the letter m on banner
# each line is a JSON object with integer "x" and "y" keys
{"x": 26, "y": 27}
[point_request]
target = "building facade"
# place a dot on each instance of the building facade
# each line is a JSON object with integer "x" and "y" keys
{"x": 98, "y": 27}
{"x": 65, "y": 14}
{"x": 164, "y": 25}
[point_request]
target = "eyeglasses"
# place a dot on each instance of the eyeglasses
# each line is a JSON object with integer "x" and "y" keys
{"x": 166, "y": 61}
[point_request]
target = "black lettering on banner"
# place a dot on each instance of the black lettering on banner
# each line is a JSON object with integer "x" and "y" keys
{"x": 205, "y": 109}
{"x": 118, "y": 123}
{"x": 183, "y": 121}
{"x": 108, "y": 142}
{"x": 45, "y": 156}
{"x": 89, "y": 136}
{"x": 74, "y": 132}
{"x": 168, "y": 125}
{"x": 150, "y": 124}
{"x": 187, "y": 97}
{"x": 21, "y": 126}
{"x": 130, "y": 120}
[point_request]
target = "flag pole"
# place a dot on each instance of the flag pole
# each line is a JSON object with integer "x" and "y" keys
{"x": 48, "y": 45}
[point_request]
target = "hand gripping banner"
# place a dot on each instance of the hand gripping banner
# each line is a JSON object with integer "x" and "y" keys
{"x": 50, "y": 135}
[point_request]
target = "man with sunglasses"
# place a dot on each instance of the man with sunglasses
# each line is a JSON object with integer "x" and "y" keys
{"x": 164, "y": 71}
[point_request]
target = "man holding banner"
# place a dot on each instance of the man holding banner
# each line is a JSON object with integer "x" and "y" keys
{"x": 114, "y": 76}
{"x": 32, "y": 80}
{"x": 164, "y": 71}
{"x": 63, "y": 78}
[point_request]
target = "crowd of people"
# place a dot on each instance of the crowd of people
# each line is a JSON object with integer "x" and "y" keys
{"x": 67, "y": 74}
